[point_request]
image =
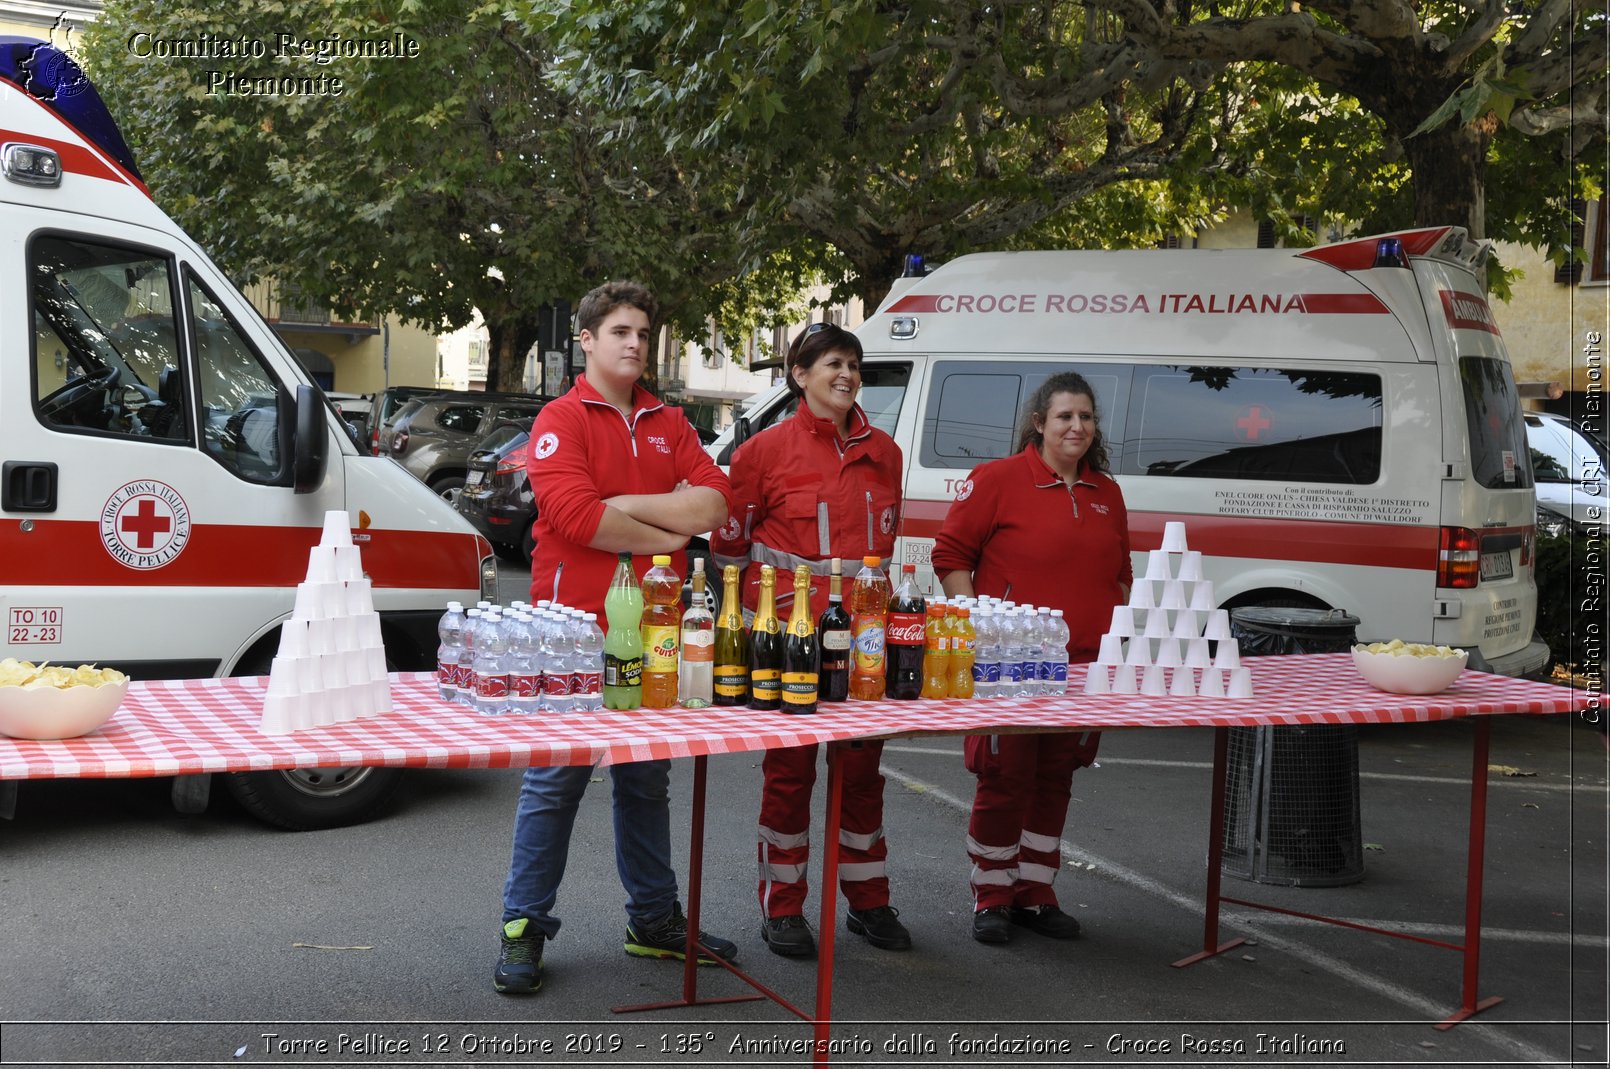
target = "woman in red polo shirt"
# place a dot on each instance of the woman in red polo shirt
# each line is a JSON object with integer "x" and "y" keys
{"x": 823, "y": 484}
{"x": 1046, "y": 525}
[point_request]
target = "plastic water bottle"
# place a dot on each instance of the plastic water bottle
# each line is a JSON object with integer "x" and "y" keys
{"x": 1011, "y": 655}
{"x": 1033, "y": 652}
{"x": 491, "y": 665}
{"x": 555, "y": 664}
{"x": 450, "y": 629}
{"x": 590, "y": 664}
{"x": 464, "y": 674}
{"x": 1056, "y": 654}
{"x": 986, "y": 655}
{"x": 525, "y": 679}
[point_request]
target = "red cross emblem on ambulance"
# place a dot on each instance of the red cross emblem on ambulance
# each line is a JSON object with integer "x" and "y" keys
{"x": 145, "y": 524}
{"x": 1253, "y": 422}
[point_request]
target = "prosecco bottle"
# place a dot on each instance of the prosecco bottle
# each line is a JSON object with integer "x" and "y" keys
{"x": 833, "y": 636}
{"x": 766, "y": 647}
{"x": 800, "y": 652}
{"x": 732, "y": 644}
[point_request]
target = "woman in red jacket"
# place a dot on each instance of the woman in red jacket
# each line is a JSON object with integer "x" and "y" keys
{"x": 1046, "y": 525}
{"x": 823, "y": 484}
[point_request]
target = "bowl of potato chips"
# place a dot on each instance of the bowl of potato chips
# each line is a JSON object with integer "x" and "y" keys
{"x": 1399, "y": 667}
{"x": 51, "y": 702}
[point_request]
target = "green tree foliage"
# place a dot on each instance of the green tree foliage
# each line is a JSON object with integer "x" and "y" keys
{"x": 878, "y": 128}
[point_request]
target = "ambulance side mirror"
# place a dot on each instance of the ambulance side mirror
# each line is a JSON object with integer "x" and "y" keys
{"x": 310, "y": 441}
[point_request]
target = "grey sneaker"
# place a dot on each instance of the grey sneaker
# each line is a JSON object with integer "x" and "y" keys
{"x": 668, "y": 938}
{"x": 519, "y": 968}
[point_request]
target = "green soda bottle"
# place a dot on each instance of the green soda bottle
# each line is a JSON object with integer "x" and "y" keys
{"x": 623, "y": 644}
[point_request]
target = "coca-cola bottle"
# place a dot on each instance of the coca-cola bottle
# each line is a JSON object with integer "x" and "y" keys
{"x": 903, "y": 637}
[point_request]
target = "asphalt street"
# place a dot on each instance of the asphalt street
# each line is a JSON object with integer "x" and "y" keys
{"x": 137, "y": 936}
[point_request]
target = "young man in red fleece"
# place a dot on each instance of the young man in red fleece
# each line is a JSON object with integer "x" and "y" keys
{"x": 613, "y": 470}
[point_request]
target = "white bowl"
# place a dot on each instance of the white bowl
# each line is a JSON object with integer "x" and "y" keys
{"x": 1404, "y": 673}
{"x": 58, "y": 712}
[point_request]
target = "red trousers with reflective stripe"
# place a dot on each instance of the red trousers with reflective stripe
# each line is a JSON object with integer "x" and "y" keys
{"x": 1024, "y": 782}
{"x": 785, "y": 814}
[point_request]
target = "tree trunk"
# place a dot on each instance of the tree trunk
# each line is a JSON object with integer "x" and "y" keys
{"x": 508, "y": 344}
{"x": 1449, "y": 168}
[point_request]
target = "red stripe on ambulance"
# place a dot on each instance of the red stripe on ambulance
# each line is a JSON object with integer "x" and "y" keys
{"x": 1141, "y": 303}
{"x": 74, "y": 158}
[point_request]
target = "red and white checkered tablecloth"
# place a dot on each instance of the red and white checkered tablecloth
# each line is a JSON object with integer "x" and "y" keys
{"x": 172, "y": 727}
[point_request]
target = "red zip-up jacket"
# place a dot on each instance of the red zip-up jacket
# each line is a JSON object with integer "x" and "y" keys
{"x": 583, "y": 450}
{"x": 801, "y": 496}
{"x": 1026, "y": 535}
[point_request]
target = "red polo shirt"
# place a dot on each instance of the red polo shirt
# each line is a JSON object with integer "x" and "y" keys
{"x": 1027, "y": 536}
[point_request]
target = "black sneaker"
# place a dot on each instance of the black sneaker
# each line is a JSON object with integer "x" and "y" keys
{"x": 668, "y": 938}
{"x": 1047, "y": 920}
{"x": 788, "y": 936}
{"x": 519, "y": 969}
{"x": 881, "y": 926}
{"x": 993, "y": 925}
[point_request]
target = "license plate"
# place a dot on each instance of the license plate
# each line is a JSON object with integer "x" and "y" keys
{"x": 1497, "y": 566}
{"x": 472, "y": 478}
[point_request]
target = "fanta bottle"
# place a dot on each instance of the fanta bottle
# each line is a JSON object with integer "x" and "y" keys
{"x": 963, "y": 645}
{"x": 936, "y": 654}
{"x": 869, "y": 609}
{"x": 662, "y": 634}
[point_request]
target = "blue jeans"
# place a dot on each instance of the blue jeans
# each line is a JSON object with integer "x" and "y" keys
{"x": 543, "y": 822}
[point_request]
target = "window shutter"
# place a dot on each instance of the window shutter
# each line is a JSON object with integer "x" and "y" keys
{"x": 1266, "y": 234}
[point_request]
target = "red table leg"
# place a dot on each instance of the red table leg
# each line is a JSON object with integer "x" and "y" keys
{"x": 1475, "y": 859}
{"x": 1211, "y": 947}
{"x": 829, "y": 893}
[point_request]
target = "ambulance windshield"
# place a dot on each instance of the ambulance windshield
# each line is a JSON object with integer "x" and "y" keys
{"x": 48, "y": 75}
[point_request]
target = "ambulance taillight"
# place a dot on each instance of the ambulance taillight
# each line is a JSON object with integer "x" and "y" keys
{"x": 1459, "y": 559}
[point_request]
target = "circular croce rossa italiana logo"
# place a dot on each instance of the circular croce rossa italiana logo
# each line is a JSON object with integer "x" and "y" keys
{"x": 145, "y": 524}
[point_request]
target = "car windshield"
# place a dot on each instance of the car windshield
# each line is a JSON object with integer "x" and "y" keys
{"x": 502, "y": 438}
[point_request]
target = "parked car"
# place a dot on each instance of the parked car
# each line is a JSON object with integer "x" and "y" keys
{"x": 1568, "y": 469}
{"x": 496, "y": 497}
{"x": 353, "y": 408}
{"x": 384, "y": 407}
{"x": 433, "y": 436}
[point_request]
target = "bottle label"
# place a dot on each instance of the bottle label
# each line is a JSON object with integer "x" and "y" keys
{"x": 1048, "y": 670}
{"x": 906, "y": 629}
{"x": 1012, "y": 671}
{"x": 525, "y": 684}
{"x": 447, "y": 676}
{"x": 590, "y": 683}
{"x": 699, "y": 647}
{"x": 660, "y": 645}
{"x": 835, "y": 640}
{"x": 799, "y": 688}
{"x": 492, "y": 686}
{"x": 766, "y": 683}
{"x": 869, "y": 636}
{"x": 731, "y": 681}
{"x": 622, "y": 672}
{"x": 1059, "y": 671}
{"x": 463, "y": 677}
{"x": 556, "y": 684}
{"x": 936, "y": 644}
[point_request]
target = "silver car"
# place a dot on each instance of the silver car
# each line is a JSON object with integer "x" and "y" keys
{"x": 1568, "y": 468}
{"x": 433, "y": 436}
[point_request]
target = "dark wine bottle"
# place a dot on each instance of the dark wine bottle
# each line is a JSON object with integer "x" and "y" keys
{"x": 833, "y": 636}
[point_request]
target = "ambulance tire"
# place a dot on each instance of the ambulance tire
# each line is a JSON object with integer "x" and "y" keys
{"x": 307, "y": 799}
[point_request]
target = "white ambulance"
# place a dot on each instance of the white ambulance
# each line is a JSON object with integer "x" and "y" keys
{"x": 167, "y": 462}
{"x": 1338, "y": 427}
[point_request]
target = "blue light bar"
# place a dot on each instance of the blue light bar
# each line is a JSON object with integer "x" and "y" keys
{"x": 914, "y": 266}
{"x": 1389, "y": 253}
{"x": 51, "y": 77}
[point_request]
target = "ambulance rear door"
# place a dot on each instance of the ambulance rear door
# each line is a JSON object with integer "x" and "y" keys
{"x": 149, "y": 516}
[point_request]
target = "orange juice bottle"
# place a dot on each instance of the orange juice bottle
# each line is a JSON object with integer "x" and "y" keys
{"x": 936, "y": 654}
{"x": 963, "y": 646}
{"x": 662, "y": 633}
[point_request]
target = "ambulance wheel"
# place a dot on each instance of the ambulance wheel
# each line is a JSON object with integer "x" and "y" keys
{"x": 306, "y": 799}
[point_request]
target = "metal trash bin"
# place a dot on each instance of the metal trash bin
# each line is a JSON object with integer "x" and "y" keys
{"x": 1291, "y": 793}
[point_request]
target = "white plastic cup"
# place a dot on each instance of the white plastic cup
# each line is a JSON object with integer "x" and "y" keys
{"x": 282, "y": 677}
{"x": 293, "y": 638}
{"x": 1218, "y": 625}
{"x": 1182, "y": 683}
{"x": 332, "y": 600}
{"x": 1190, "y": 567}
{"x": 1168, "y": 653}
{"x": 1196, "y": 653}
{"x": 1141, "y": 595}
{"x": 1173, "y": 595}
{"x": 306, "y": 606}
{"x": 280, "y": 714}
{"x": 1156, "y": 624}
{"x": 1202, "y": 596}
{"x": 1096, "y": 680}
{"x": 321, "y": 564}
{"x": 1228, "y": 655}
{"x": 1123, "y": 679}
{"x": 376, "y": 657}
{"x": 337, "y": 529}
{"x": 1123, "y": 621}
{"x": 1112, "y": 649}
{"x": 1186, "y": 625}
{"x": 1174, "y": 536}
{"x": 360, "y": 596}
{"x": 382, "y": 695}
{"x": 1139, "y": 654}
{"x": 1240, "y": 685}
{"x": 1157, "y": 565}
{"x": 348, "y": 563}
{"x": 1212, "y": 683}
{"x": 368, "y": 625}
{"x": 1152, "y": 681}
